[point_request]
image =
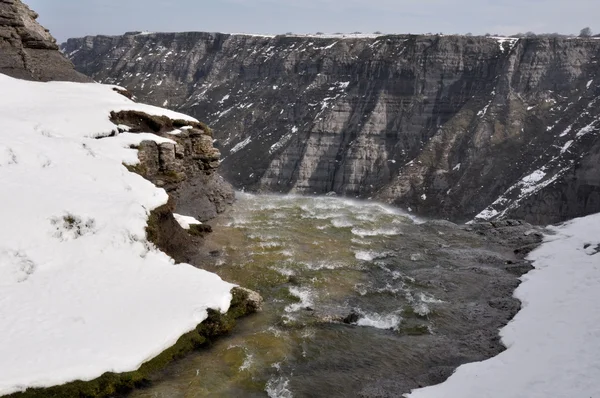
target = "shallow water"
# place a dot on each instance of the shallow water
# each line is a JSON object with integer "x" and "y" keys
{"x": 315, "y": 261}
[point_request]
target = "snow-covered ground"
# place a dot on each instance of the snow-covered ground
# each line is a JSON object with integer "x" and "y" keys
{"x": 81, "y": 290}
{"x": 554, "y": 341}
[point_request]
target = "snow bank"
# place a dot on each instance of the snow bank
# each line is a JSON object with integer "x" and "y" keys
{"x": 553, "y": 342}
{"x": 81, "y": 290}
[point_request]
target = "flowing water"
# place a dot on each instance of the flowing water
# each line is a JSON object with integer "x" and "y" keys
{"x": 348, "y": 295}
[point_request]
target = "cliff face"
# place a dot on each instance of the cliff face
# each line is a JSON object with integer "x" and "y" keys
{"x": 28, "y": 50}
{"x": 447, "y": 126}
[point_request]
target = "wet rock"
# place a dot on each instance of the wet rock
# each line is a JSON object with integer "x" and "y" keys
{"x": 353, "y": 317}
{"x": 253, "y": 300}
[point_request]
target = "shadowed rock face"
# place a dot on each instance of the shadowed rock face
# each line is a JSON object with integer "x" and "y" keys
{"x": 27, "y": 50}
{"x": 448, "y": 126}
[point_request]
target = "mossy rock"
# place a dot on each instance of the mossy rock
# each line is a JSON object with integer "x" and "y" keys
{"x": 139, "y": 168}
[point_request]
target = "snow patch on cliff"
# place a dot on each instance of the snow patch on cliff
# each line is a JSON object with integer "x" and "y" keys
{"x": 185, "y": 221}
{"x": 240, "y": 145}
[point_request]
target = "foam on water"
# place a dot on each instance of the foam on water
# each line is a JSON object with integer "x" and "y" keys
{"x": 278, "y": 387}
{"x": 380, "y": 321}
{"x": 376, "y": 232}
{"x": 342, "y": 223}
{"x": 306, "y": 299}
{"x": 248, "y": 361}
{"x": 270, "y": 245}
{"x": 370, "y": 255}
{"x": 321, "y": 265}
{"x": 285, "y": 271}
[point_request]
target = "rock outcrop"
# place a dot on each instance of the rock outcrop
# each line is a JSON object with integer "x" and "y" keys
{"x": 28, "y": 51}
{"x": 187, "y": 170}
{"x": 447, "y": 126}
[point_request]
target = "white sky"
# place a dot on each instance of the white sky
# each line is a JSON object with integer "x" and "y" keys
{"x": 76, "y": 18}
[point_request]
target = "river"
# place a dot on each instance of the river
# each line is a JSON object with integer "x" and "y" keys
{"x": 361, "y": 299}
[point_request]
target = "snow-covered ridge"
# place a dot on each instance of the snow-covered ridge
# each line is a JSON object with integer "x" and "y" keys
{"x": 553, "y": 341}
{"x": 82, "y": 291}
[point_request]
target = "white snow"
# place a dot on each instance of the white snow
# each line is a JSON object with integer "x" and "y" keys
{"x": 587, "y": 86}
{"x": 566, "y": 147}
{"x": 567, "y": 131}
{"x": 510, "y": 40}
{"x": 240, "y": 145}
{"x": 340, "y": 36}
{"x": 327, "y": 47}
{"x": 283, "y": 141}
{"x": 554, "y": 340}
{"x": 587, "y": 129}
{"x": 225, "y": 98}
{"x": 380, "y": 321}
{"x": 185, "y": 221}
{"x": 82, "y": 291}
{"x": 483, "y": 112}
{"x": 305, "y": 296}
{"x": 529, "y": 182}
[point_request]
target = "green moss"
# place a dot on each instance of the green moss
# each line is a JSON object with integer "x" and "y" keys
{"x": 152, "y": 227}
{"x": 136, "y": 168}
{"x": 108, "y": 384}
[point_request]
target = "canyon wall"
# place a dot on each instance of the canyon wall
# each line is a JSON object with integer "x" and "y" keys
{"x": 446, "y": 126}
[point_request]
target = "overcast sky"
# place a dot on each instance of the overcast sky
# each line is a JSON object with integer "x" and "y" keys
{"x": 76, "y": 18}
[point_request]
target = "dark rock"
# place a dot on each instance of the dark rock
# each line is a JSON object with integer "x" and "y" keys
{"x": 353, "y": 317}
{"x": 27, "y": 50}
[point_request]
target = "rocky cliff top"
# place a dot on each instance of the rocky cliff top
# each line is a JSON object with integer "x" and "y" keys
{"x": 28, "y": 50}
